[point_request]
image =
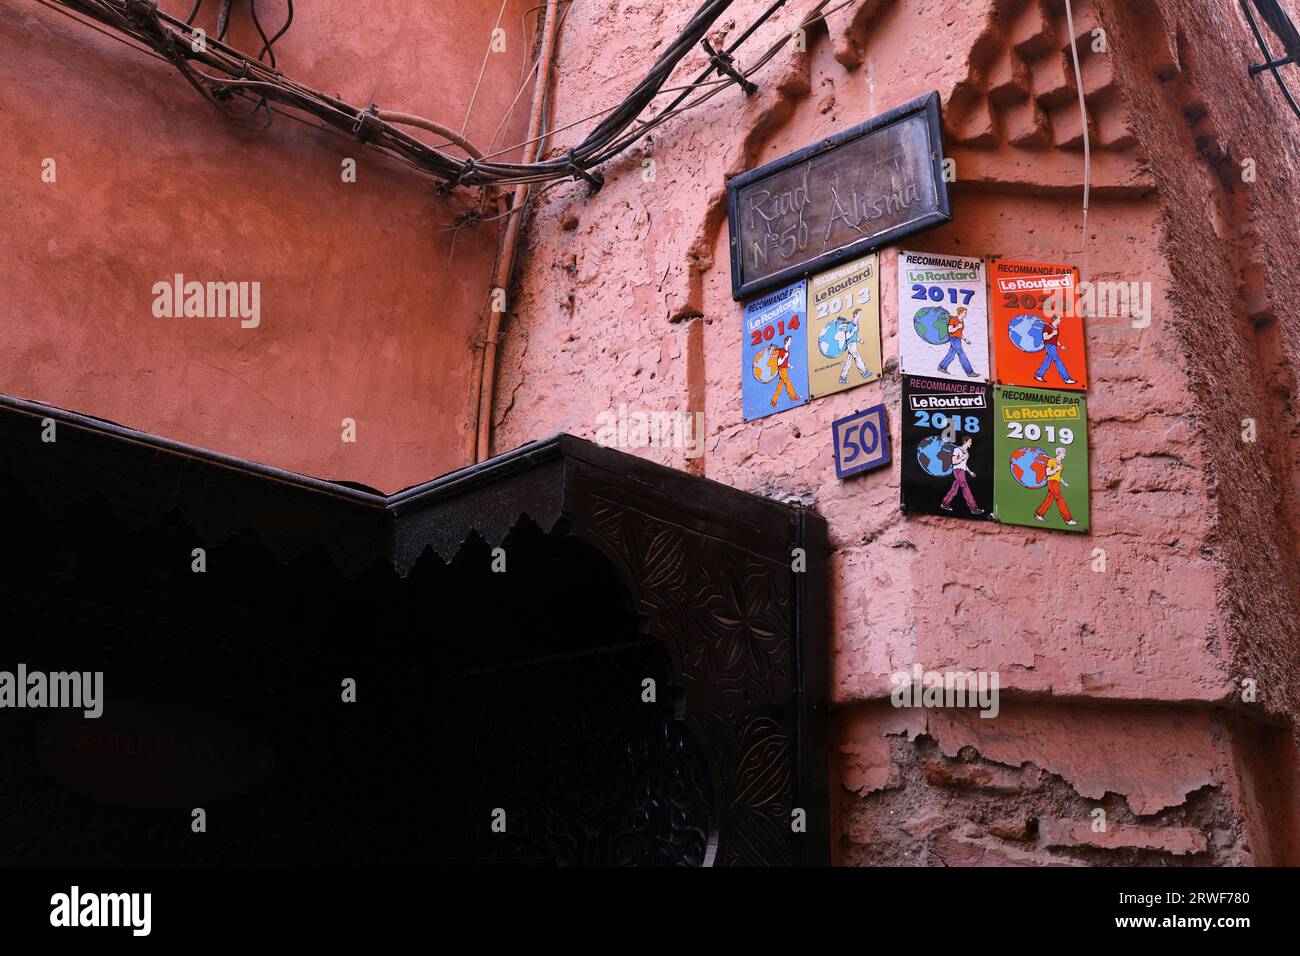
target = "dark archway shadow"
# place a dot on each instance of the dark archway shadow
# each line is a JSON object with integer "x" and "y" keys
{"x": 501, "y": 717}
{"x": 348, "y": 679}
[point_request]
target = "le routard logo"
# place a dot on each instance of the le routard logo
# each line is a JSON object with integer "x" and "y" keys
{"x": 208, "y": 300}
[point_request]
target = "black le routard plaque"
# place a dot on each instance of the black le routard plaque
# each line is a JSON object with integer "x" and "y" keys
{"x": 853, "y": 192}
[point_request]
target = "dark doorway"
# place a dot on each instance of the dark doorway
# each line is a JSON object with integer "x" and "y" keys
{"x": 513, "y": 698}
{"x": 563, "y": 657}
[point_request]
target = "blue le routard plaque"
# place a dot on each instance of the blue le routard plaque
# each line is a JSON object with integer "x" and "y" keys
{"x": 861, "y": 441}
{"x": 838, "y": 199}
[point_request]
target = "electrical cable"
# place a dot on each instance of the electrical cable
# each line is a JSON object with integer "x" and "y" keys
{"x": 523, "y": 83}
{"x": 57, "y": 8}
{"x": 810, "y": 18}
{"x": 142, "y": 21}
{"x": 487, "y": 54}
{"x": 266, "y": 48}
{"x": 223, "y": 18}
{"x": 1083, "y": 119}
{"x": 454, "y": 138}
{"x": 504, "y": 267}
{"x": 818, "y": 12}
{"x": 621, "y": 126}
{"x": 718, "y": 85}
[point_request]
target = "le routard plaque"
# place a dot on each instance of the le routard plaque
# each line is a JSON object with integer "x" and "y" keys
{"x": 1040, "y": 455}
{"x": 838, "y": 199}
{"x": 948, "y": 455}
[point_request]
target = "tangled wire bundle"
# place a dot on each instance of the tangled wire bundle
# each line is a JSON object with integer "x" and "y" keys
{"x": 222, "y": 74}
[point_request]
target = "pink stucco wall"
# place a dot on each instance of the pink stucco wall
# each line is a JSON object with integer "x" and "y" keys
{"x": 369, "y": 299}
{"x": 1119, "y": 685}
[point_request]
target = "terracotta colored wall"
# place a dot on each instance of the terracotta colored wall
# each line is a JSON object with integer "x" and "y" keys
{"x": 1120, "y": 686}
{"x": 368, "y": 301}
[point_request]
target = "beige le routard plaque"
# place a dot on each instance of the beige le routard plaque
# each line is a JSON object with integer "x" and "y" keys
{"x": 837, "y": 199}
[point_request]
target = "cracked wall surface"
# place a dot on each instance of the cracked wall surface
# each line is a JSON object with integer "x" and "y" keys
{"x": 937, "y": 789}
{"x": 1121, "y": 687}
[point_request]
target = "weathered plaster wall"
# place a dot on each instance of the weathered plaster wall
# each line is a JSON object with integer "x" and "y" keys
{"x": 1122, "y": 683}
{"x": 368, "y": 300}
{"x": 1119, "y": 685}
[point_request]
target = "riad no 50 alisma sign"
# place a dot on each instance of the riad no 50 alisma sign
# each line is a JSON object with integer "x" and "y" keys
{"x": 853, "y": 192}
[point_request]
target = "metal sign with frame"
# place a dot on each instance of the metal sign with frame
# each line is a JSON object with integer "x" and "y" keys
{"x": 838, "y": 199}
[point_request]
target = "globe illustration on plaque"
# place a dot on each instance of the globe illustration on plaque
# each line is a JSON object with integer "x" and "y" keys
{"x": 1029, "y": 467}
{"x": 931, "y": 323}
{"x": 1027, "y": 333}
{"x": 828, "y": 343}
{"x": 765, "y": 365}
{"x": 931, "y": 455}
